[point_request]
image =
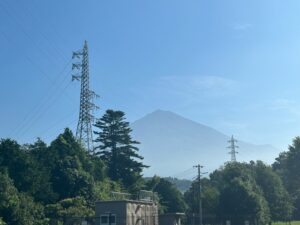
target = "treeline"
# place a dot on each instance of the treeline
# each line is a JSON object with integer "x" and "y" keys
{"x": 251, "y": 191}
{"x": 40, "y": 182}
{"x": 242, "y": 191}
{"x": 237, "y": 192}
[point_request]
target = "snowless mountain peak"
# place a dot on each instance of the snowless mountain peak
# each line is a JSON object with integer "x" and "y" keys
{"x": 171, "y": 143}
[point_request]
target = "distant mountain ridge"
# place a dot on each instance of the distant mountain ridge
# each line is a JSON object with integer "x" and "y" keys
{"x": 171, "y": 144}
{"x": 182, "y": 184}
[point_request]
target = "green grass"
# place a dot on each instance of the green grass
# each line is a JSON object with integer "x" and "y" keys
{"x": 283, "y": 223}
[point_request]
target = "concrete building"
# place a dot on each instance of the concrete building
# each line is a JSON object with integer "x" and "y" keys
{"x": 126, "y": 209}
{"x": 126, "y": 212}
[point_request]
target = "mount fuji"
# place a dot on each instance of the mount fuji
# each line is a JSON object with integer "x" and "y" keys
{"x": 171, "y": 144}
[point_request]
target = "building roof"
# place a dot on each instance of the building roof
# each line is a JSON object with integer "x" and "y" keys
{"x": 172, "y": 214}
{"x": 126, "y": 201}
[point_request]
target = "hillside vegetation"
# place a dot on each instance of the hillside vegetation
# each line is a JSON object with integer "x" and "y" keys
{"x": 40, "y": 183}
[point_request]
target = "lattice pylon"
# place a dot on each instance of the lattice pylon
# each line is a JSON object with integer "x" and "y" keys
{"x": 84, "y": 131}
{"x": 233, "y": 148}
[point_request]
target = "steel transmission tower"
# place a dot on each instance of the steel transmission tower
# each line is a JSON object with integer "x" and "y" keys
{"x": 84, "y": 131}
{"x": 233, "y": 148}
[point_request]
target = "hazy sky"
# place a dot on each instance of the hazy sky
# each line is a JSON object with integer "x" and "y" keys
{"x": 232, "y": 65}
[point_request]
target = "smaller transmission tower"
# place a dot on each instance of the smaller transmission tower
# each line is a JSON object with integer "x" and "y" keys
{"x": 84, "y": 131}
{"x": 233, "y": 148}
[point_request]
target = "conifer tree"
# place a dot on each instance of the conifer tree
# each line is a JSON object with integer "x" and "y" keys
{"x": 117, "y": 149}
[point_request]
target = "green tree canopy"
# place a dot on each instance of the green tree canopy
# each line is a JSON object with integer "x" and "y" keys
{"x": 117, "y": 149}
{"x": 242, "y": 200}
{"x": 70, "y": 167}
{"x": 170, "y": 198}
{"x": 288, "y": 167}
{"x": 210, "y": 198}
{"x": 17, "y": 163}
{"x": 63, "y": 176}
{"x": 240, "y": 197}
{"x": 28, "y": 173}
{"x": 280, "y": 204}
{"x": 18, "y": 208}
{"x": 70, "y": 207}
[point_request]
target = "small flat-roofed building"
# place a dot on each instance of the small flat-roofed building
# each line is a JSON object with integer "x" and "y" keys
{"x": 143, "y": 211}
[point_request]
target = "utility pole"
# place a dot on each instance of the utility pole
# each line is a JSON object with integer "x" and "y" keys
{"x": 200, "y": 190}
{"x": 233, "y": 148}
{"x": 84, "y": 131}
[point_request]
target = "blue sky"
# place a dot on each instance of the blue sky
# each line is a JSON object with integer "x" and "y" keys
{"x": 233, "y": 65}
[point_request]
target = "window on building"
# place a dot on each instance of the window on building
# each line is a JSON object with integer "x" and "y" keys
{"x": 112, "y": 219}
{"x": 104, "y": 219}
{"x": 108, "y": 219}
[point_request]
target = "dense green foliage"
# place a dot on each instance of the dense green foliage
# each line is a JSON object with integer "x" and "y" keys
{"x": 18, "y": 208}
{"x": 240, "y": 196}
{"x": 40, "y": 182}
{"x": 241, "y": 191}
{"x": 118, "y": 150}
{"x": 171, "y": 199}
{"x": 288, "y": 167}
{"x": 210, "y": 198}
{"x": 279, "y": 201}
{"x": 76, "y": 207}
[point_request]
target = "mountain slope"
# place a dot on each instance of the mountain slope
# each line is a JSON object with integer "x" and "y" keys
{"x": 171, "y": 144}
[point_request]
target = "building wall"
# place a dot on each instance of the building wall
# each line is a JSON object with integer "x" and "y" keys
{"x": 142, "y": 214}
{"x": 129, "y": 212}
{"x": 114, "y": 207}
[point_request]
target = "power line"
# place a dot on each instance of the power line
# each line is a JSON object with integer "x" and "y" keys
{"x": 49, "y": 24}
{"x": 55, "y": 85}
{"x": 43, "y": 110}
{"x": 184, "y": 173}
{"x": 37, "y": 111}
{"x": 58, "y": 122}
{"x": 52, "y": 135}
{"x": 53, "y": 45}
{"x": 40, "y": 106}
{"x": 23, "y": 30}
{"x": 46, "y": 102}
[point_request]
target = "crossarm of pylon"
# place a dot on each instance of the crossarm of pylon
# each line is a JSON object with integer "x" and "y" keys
{"x": 76, "y": 66}
{"x": 76, "y": 77}
{"x": 77, "y": 54}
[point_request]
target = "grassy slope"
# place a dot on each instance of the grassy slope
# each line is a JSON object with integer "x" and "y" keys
{"x": 283, "y": 223}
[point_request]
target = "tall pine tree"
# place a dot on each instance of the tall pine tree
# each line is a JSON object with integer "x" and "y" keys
{"x": 117, "y": 149}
